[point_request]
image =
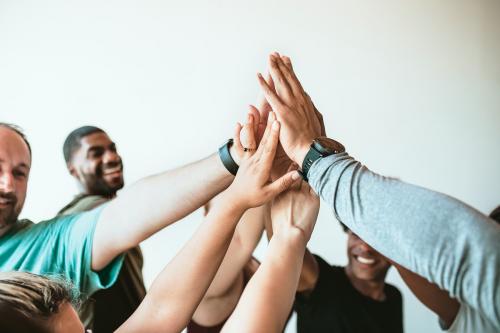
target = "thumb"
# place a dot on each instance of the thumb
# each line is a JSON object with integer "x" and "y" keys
{"x": 283, "y": 183}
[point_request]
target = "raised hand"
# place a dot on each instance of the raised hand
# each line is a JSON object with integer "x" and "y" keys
{"x": 301, "y": 122}
{"x": 251, "y": 187}
{"x": 295, "y": 210}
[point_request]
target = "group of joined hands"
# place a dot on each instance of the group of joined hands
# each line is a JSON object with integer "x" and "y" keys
{"x": 270, "y": 147}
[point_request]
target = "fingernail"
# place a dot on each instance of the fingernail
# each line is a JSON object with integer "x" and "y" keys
{"x": 276, "y": 125}
{"x": 249, "y": 118}
{"x": 295, "y": 175}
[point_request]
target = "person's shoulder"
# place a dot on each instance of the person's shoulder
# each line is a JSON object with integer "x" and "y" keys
{"x": 393, "y": 292}
{"x": 83, "y": 203}
{"x": 327, "y": 268}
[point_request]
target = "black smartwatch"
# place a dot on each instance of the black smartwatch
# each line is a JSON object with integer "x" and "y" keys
{"x": 226, "y": 158}
{"x": 320, "y": 147}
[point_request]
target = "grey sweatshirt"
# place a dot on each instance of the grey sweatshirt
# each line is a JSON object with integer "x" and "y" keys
{"x": 429, "y": 233}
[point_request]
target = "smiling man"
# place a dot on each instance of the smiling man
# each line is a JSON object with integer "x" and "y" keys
{"x": 92, "y": 158}
{"x": 354, "y": 298}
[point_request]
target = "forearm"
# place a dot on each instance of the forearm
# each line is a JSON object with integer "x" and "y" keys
{"x": 153, "y": 203}
{"x": 433, "y": 235}
{"x": 309, "y": 273}
{"x": 175, "y": 294}
{"x": 268, "y": 298}
{"x": 245, "y": 239}
{"x": 437, "y": 300}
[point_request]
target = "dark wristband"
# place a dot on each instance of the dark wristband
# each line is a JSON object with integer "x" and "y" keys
{"x": 227, "y": 159}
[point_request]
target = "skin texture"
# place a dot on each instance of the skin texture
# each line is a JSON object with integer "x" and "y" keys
{"x": 155, "y": 202}
{"x": 368, "y": 276}
{"x": 15, "y": 164}
{"x": 227, "y": 286}
{"x": 434, "y": 298}
{"x": 268, "y": 297}
{"x": 293, "y": 108}
{"x": 176, "y": 293}
{"x": 289, "y": 100}
{"x": 66, "y": 320}
{"x": 97, "y": 166}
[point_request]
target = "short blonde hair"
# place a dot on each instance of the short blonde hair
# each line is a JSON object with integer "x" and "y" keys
{"x": 28, "y": 301}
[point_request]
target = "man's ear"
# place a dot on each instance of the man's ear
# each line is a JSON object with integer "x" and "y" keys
{"x": 72, "y": 169}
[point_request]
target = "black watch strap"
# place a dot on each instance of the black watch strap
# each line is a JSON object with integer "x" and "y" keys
{"x": 227, "y": 159}
{"x": 311, "y": 157}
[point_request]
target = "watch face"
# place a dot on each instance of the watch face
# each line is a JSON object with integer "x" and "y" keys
{"x": 328, "y": 146}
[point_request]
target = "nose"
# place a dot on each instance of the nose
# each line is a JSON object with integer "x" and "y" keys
{"x": 6, "y": 182}
{"x": 364, "y": 246}
{"x": 111, "y": 156}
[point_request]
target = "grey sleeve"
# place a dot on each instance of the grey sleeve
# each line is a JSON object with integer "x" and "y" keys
{"x": 431, "y": 234}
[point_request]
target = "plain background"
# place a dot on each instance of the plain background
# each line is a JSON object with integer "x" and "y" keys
{"x": 410, "y": 88}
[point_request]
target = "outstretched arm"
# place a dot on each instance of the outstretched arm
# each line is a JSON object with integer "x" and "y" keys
{"x": 436, "y": 236}
{"x": 310, "y": 270}
{"x": 227, "y": 285}
{"x": 153, "y": 203}
{"x": 175, "y": 294}
{"x": 268, "y": 297}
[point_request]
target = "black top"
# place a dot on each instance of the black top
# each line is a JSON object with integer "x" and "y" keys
{"x": 336, "y": 306}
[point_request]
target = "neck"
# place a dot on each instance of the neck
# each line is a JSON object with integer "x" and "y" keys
{"x": 5, "y": 228}
{"x": 369, "y": 288}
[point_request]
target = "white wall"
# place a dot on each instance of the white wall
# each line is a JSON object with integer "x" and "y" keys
{"x": 411, "y": 89}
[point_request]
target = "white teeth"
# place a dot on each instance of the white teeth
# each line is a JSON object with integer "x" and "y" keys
{"x": 108, "y": 172}
{"x": 366, "y": 261}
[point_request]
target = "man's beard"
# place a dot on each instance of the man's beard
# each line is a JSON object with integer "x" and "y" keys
{"x": 8, "y": 215}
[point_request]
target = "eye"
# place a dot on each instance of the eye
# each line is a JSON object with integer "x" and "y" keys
{"x": 19, "y": 174}
{"x": 96, "y": 153}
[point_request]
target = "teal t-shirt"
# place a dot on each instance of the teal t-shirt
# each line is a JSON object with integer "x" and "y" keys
{"x": 61, "y": 246}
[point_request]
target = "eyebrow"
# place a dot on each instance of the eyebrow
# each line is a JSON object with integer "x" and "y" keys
{"x": 20, "y": 165}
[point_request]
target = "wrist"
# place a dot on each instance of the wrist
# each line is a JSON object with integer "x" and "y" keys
{"x": 299, "y": 154}
{"x": 291, "y": 236}
{"x": 232, "y": 200}
{"x": 234, "y": 155}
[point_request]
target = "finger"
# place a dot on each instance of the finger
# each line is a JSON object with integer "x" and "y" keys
{"x": 270, "y": 119}
{"x": 290, "y": 77}
{"x": 270, "y": 95}
{"x": 320, "y": 118}
{"x": 256, "y": 119}
{"x": 236, "y": 137}
{"x": 263, "y": 105}
{"x": 282, "y": 184}
{"x": 270, "y": 81}
{"x": 280, "y": 82}
{"x": 268, "y": 150}
{"x": 288, "y": 63}
{"x": 249, "y": 135}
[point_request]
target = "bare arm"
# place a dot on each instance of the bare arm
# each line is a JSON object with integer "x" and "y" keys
{"x": 268, "y": 297}
{"x": 226, "y": 288}
{"x": 153, "y": 203}
{"x": 175, "y": 294}
{"x": 436, "y": 299}
{"x": 310, "y": 269}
